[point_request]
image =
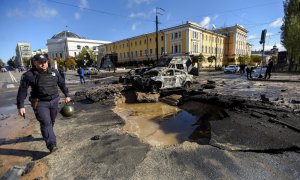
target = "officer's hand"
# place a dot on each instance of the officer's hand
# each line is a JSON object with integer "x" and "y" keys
{"x": 22, "y": 111}
{"x": 67, "y": 99}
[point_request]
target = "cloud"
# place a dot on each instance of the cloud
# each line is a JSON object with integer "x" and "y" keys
{"x": 77, "y": 15}
{"x": 277, "y": 23}
{"x": 253, "y": 36}
{"x": 41, "y": 10}
{"x": 269, "y": 34}
{"x": 14, "y": 13}
{"x": 205, "y": 22}
{"x": 134, "y": 26}
{"x": 137, "y": 15}
{"x": 83, "y": 4}
{"x": 138, "y": 2}
{"x": 215, "y": 17}
{"x": 169, "y": 15}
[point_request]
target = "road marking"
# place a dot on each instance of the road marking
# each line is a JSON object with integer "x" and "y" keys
{"x": 13, "y": 79}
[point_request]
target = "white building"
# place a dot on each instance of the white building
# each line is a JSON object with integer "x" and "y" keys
{"x": 40, "y": 51}
{"x": 67, "y": 43}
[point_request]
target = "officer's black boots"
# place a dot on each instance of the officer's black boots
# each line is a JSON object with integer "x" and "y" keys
{"x": 52, "y": 148}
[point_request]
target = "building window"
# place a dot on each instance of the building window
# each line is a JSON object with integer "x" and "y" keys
{"x": 87, "y": 47}
{"x": 206, "y": 37}
{"x": 179, "y": 34}
{"x": 145, "y": 41}
{"x": 128, "y": 55}
{"x": 162, "y": 38}
{"x": 176, "y": 35}
{"x": 172, "y": 36}
{"x": 161, "y": 50}
{"x": 150, "y": 52}
{"x": 78, "y": 47}
{"x": 131, "y": 44}
{"x": 131, "y": 54}
{"x": 74, "y": 54}
{"x": 135, "y": 43}
{"x": 140, "y": 42}
{"x": 145, "y": 52}
{"x": 94, "y": 48}
{"x": 136, "y": 53}
{"x": 150, "y": 40}
{"x": 141, "y": 53}
{"x": 60, "y": 55}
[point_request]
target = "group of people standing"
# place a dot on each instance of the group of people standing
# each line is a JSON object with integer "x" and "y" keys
{"x": 250, "y": 69}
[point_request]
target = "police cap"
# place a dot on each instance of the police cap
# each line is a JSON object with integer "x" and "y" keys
{"x": 40, "y": 58}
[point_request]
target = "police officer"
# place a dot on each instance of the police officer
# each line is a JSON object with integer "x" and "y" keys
{"x": 44, "y": 96}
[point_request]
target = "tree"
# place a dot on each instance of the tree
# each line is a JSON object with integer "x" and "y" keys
{"x": 26, "y": 61}
{"x": 70, "y": 62}
{"x": 255, "y": 59}
{"x": 11, "y": 63}
{"x": 211, "y": 59}
{"x": 87, "y": 55}
{"x": 290, "y": 36}
{"x": 1, "y": 63}
{"x": 60, "y": 62}
{"x": 201, "y": 59}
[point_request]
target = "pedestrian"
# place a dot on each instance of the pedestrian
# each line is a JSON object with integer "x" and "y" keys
{"x": 80, "y": 71}
{"x": 44, "y": 97}
{"x": 62, "y": 73}
{"x": 269, "y": 69}
{"x": 242, "y": 69}
{"x": 249, "y": 71}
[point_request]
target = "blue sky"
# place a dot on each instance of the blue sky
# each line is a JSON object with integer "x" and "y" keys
{"x": 35, "y": 21}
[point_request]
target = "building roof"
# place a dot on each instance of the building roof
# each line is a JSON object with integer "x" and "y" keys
{"x": 65, "y": 34}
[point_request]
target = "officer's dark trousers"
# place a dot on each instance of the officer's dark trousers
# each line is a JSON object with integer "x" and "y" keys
{"x": 46, "y": 113}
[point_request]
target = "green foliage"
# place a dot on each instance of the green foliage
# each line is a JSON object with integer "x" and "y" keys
{"x": 11, "y": 63}
{"x": 88, "y": 55}
{"x": 26, "y": 62}
{"x": 60, "y": 62}
{"x": 211, "y": 59}
{"x": 255, "y": 59}
{"x": 70, "y": 62}
{"x": 274, "y": 59}
{"x": 201, "y": 58}
{"x": 1, "y": 63}
{"x": 290, "y": 36}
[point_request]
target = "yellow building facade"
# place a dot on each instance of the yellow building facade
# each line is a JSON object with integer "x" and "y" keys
{"x": 186, "y": 39}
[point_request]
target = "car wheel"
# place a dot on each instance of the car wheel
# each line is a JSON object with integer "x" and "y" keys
{"x": 154, "y": 88}
{"x": 187, "y": 86}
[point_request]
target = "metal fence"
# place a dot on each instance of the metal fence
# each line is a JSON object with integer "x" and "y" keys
{"x": 286, "y": 68}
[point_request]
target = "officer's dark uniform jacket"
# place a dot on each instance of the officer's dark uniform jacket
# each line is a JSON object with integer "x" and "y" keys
{"x": 43, "y": 85}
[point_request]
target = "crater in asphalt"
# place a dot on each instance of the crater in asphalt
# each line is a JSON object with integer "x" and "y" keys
{"x": 160, "y": 124}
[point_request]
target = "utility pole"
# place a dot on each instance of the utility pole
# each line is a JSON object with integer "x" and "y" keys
{"x": 156, "y": 39}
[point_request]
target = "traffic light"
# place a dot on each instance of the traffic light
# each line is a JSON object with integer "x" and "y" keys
{"x": 263, "y": 36}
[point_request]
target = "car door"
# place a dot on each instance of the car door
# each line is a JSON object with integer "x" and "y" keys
{"x": 180, "y": 78}
{"x": 169, "y": 79}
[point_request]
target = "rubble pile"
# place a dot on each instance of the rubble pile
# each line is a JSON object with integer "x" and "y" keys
{"x": 98, "y": 94}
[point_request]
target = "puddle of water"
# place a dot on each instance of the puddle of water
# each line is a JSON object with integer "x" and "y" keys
{"x": 159, "y": 124}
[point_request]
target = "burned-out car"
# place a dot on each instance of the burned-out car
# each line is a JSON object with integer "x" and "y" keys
{"x": 132, "y": 74}
{"x": 161, "y": 78}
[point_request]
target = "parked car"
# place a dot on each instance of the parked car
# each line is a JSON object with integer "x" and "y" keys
{"x": 231, "y": 69}
{"x": 3, "y": 69}
{"x": 132, "y": 74}
{"x": 161, "y": 78}
{"x": 90, "y": 71}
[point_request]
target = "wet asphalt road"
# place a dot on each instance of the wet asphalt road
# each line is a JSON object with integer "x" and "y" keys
{"x": 117, "y": 155}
